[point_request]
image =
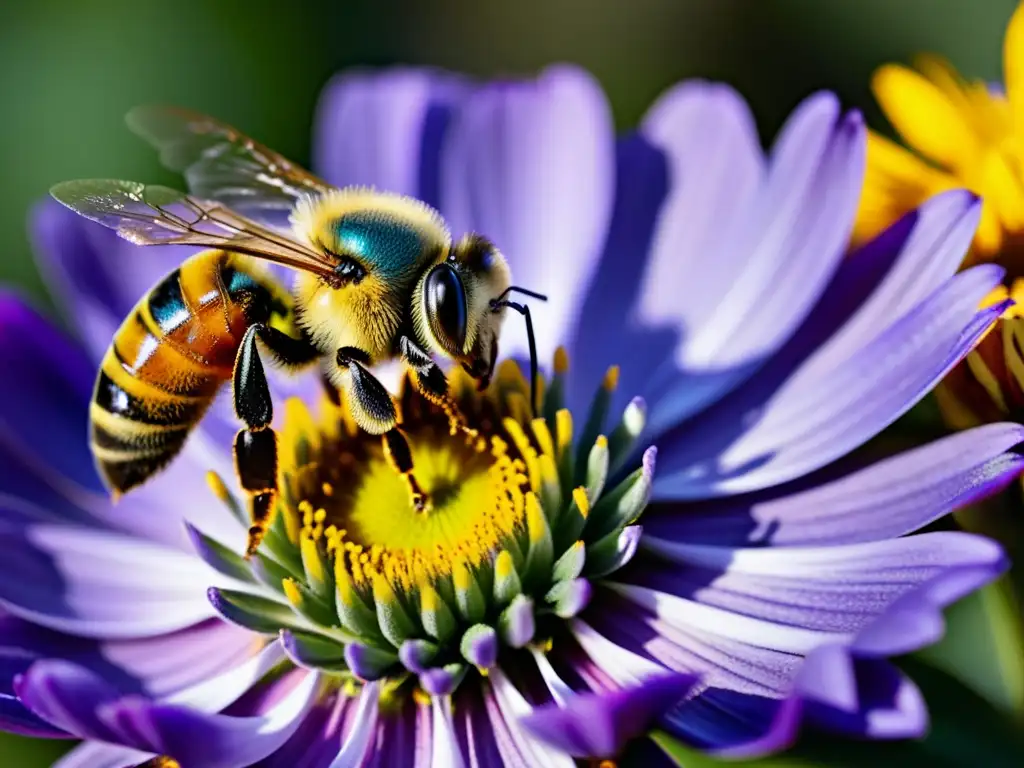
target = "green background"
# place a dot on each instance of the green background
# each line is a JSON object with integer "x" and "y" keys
{"x": 69, "y": 69}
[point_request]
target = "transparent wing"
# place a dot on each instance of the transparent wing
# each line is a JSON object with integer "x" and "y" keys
{"x": 220, "y": 163}
{"x": 153, "y": 215}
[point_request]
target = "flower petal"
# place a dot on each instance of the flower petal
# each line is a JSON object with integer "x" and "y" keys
{"x": 100, "y": 584}
{"x": 766, "y": 274}
{"x": 93, "y": 754}
{"x": 925, "y": 117}
{"x": 772, "y": 431}
{"x": 838, "y": 506}
{"x": 67, "y": 695}
{"x": 1013, "y": 65}
{"x": 889, "y": 276}
{"x": 385, "y": 130}
{"x": 600, "y": 724}
{"x": 864, "y": 698}
{"x": 49, "y": 396}
{"x": 885, "y": 595}
{"x": 358, "y": 739}
{"x": 530, "y": 165}
{"x": 209, "y": 741}
{"x": 507, "y": 707}
{"x": 600, "y": 338}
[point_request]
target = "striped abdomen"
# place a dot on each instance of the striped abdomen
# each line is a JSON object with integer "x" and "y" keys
{"x": 168, "y": 360}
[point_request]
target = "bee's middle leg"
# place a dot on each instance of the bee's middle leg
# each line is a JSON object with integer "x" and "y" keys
{"x": 374, "y": 411}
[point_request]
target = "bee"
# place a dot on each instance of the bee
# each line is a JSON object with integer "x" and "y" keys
{"x": 377, "y": 277}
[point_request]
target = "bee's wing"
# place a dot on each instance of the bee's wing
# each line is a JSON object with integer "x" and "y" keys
{"x": 153, "y": 215}
{"x": 222, "y": 164}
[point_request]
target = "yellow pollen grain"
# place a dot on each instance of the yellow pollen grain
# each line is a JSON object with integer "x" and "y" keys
{"x": 504, "y": 567}
{"x": 579, "y": 495}
{"x": 561, "y": 361}
{"x": 291, "y": 591}
{"x": 611, "y": 378}
{"x": 543, "y": 436}
{"x": 601, "y": 442}
{"x": 563, "y": 429}
{"x": 327, "y": 488}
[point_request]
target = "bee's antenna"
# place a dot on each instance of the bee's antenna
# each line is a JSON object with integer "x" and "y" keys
{"x": 524, "y": 310}
{"x": 524, "y": 291}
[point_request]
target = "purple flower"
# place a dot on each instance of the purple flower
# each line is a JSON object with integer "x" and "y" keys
{"x": 766, "y": 585}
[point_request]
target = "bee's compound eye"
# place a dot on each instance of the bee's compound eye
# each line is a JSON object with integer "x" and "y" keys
{"x": 446, "y": 306}
{"x": 350, "y": 270}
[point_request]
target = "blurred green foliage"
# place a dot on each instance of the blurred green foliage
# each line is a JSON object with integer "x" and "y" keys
{"x": 69, "y": 69}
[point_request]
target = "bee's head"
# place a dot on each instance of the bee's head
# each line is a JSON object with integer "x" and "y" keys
{"x": 455, "y": 311}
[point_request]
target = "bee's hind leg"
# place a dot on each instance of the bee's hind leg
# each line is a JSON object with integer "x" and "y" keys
{"x": 374, "y": 411}
{"x": 256, "y": 444}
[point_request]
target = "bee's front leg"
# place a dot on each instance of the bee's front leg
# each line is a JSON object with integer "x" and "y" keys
{"x": 256, "y": 444}
{"x": 374, "y": 411}
{"x": 432, "y": 384}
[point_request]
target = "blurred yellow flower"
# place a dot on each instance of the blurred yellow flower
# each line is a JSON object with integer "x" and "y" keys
{"x": 960, "y": 134}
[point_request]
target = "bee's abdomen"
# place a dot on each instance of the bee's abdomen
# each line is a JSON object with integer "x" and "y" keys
{"x": 166, "y": 364}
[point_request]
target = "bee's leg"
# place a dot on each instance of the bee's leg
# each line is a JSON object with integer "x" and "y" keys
{"x": 256, "y": 444}
{"x": 375, "y": 412}
{"x": 432, "y": 384}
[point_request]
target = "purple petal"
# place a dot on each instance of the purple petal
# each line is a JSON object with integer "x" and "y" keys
{"x": 530, "y": 165}
{"x": 357, "y": 741}
{"x": 780, "y": 259}
{"x": 600, "y": 724}
{"x": 385, "y": 130}
{"x": 758, "y": 437}
{"x": 403, "y": 737}
{"x": 892, "y": 274}
{"x": 478, "y": 735}
{"x": 318, "y": 740}
{"x": 93, "y": 754}
{"x": 202, "y": 740}
{"x": 506, "y": 708}
{"x": 887, "y": 499}
{"x": 630, "y": 643}
{"x": 100, "y": 584}
{"x": 736, "y": 725}
{"x": 798, "y": 595}
{"x": 159, "y": 666}
{"x": 95, "y": 274}
{"x": 600, "y": 338}
{"x": 15, "y": 717}
{"x": 43, "y": 409}
{"x": 865, "y": 698}
{"x": 67, "y": 696}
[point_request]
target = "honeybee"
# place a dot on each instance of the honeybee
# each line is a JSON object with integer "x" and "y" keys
{"x": 377, "y": 277}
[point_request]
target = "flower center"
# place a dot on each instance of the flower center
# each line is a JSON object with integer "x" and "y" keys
{"x": 518, "y": 525}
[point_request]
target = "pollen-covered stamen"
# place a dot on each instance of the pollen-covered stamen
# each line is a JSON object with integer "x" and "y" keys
{"x": 519, "y": 524}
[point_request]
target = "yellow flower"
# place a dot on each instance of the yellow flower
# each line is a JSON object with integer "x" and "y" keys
{"x": 963, "y": 134}
{"x": 960, "y": 134}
